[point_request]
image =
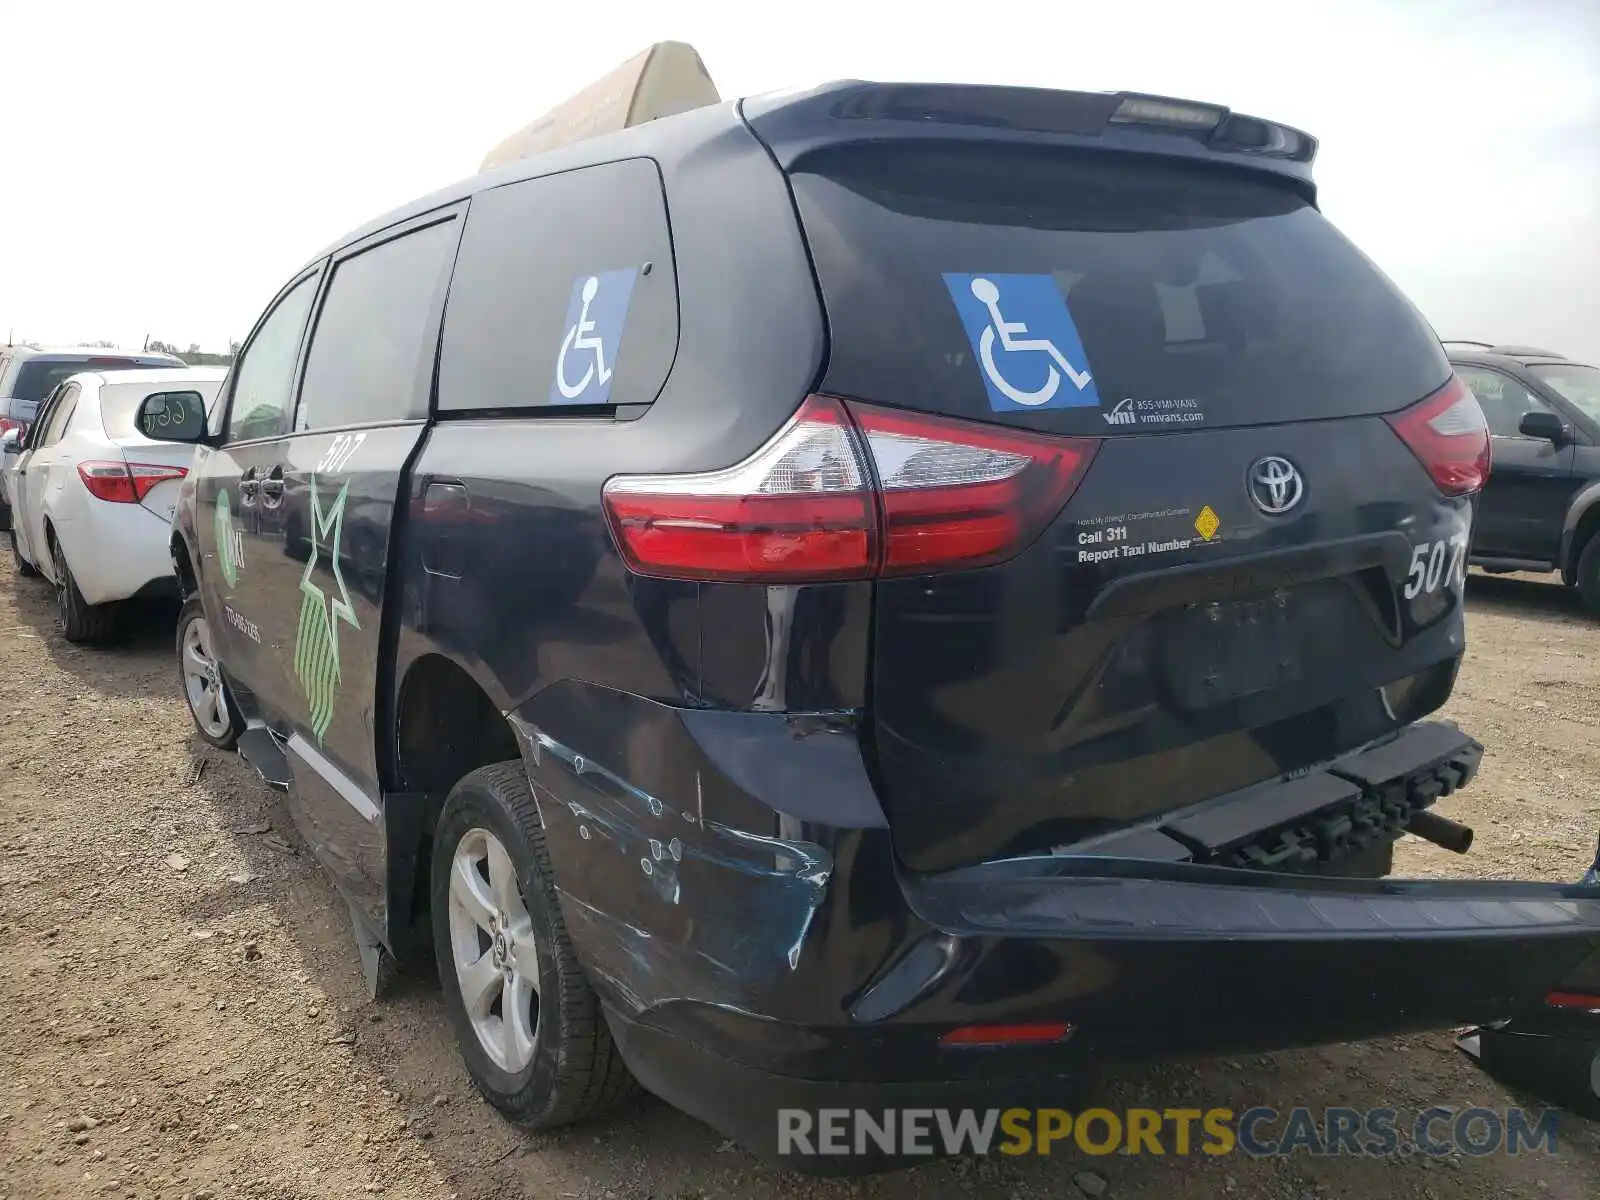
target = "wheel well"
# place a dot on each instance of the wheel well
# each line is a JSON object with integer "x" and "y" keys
{"x": 1588, "y": 524}
{"x": 183, "y": 566}
{"x": 445, "y": 727}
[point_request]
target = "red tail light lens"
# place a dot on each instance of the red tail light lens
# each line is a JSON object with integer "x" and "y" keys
{"x": 7, "y": 425}
{"x": 958, "y": 494}
{"x": 125, "y": 483}
{"x": 942, "y": 494}
{"x": 799, "y": 508}
{"x": 1448, "y": 434}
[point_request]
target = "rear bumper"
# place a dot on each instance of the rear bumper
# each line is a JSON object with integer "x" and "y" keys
{"x": 1140, "y": 969}
{"x": 749, "y": 968}
{"x": 118, "y": 552}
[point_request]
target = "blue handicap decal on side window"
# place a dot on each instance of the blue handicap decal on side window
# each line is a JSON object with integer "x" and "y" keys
{"x": 592, "y": 335}
{"x": 1027, "y": 347}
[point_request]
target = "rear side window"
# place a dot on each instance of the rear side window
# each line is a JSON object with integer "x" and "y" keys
{"x": 563, "y": 294}
{"x": 60, "y": 416}
{"x": 1098, "y": 295}
{"x": 370, "y": 344}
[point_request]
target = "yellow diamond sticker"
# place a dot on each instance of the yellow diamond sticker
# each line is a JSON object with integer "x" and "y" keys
{"x": 1207, "y": 523}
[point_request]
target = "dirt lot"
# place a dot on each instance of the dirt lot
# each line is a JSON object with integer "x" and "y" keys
{"x": 181, "y": 1012}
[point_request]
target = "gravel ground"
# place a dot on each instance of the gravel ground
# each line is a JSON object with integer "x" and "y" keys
{"x": 183, "y": 1014}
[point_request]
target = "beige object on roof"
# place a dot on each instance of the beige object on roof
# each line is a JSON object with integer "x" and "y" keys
{"x": 667, "y": 78}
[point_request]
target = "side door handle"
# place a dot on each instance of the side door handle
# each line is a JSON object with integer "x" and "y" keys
{"x": 249, "y": 485}
{"x": 272, "y": 488}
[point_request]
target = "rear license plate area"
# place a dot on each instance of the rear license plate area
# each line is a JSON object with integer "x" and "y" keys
{"x": 1223, "y": 650}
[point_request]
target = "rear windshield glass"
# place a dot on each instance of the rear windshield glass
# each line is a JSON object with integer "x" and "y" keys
{"x": 1578, "y": 382}
{"x": 1096, "y": 295}
{"x": 119, "y": 404}
{"x": 37, "y": 377}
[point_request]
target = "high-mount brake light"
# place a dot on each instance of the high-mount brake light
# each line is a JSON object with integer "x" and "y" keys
{"x": 1448, "y": 434}
{"x": 941, "y": 494}
{"x": 1152, "y": 110}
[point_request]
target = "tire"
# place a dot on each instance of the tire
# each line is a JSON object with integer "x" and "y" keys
{"x": 223, "y": 732}
{"x": 572, "y": 1069}
{"x": 82, "y": 623}
{"x": 24, "y": 568}
{"x": 1587, "y": 576}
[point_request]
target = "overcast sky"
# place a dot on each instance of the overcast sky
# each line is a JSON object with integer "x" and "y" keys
{"x": 169, "y": 164}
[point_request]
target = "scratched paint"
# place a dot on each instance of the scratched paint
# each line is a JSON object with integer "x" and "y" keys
{"x": 784, "y": 879}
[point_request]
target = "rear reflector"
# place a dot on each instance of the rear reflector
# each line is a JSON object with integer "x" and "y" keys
{"x": 125, "y": 483}
{"x": 1006, "y": 1035}
{"x": 1581, "y": 1000}
{"x": 849, "y": 491}
{"x": 1448, "y": 434}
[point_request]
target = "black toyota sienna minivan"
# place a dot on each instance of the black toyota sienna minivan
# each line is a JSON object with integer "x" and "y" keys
{"x": 871, "y": 596}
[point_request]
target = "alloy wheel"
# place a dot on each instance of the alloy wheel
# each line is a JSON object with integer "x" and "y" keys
{"x": 202, "y": 680}
{"x": 493, "y": 949}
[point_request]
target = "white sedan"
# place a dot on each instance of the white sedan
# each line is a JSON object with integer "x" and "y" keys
{"x": 92, "y": 495}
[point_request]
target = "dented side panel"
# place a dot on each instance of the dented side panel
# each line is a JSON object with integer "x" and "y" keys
{"x": 678, "y": 883}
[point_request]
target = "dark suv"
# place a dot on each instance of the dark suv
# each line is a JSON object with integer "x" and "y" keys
{"x": 867, "y": 596}
{"x": 1540, "y": 509}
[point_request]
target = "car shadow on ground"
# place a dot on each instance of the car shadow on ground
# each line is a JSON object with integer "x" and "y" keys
{"x": 143, "y": 627}
{"x": 1532, "y": 596}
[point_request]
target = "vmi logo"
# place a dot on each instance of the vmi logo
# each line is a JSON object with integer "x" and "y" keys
{"x": 230, "y": 542}
{"x": 1122, "y": 414}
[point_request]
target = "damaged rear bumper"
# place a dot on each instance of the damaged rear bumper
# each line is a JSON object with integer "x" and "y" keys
{"x": 749, "y": 967}
{"x": 1139, "y": 967}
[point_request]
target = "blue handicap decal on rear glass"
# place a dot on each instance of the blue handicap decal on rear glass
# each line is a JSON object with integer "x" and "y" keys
{"x": 1026, "y": 345}
{"x": 596, "y": 313}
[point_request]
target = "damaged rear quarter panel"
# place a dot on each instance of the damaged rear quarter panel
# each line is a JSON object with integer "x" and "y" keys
{"x": 688, "y": 862}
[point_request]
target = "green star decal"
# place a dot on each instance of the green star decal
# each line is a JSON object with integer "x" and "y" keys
{"x": 316, "y": 640}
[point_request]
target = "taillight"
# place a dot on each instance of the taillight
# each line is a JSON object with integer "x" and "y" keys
{"x": 799, "y": 508}
{"x": 1448, "y": 434}
{"x": 959, "y": 494}
{"x": 941, "y": 494}
{"x": 7, "y": 425}
{"x": 125, "y": 483}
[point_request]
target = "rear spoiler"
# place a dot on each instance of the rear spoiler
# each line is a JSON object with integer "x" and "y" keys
{"x": 666, "y": 79}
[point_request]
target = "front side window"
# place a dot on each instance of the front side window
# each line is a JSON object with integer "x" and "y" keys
{"x": 1578, "y": 383}
{"x": 264, "y": 376}
{"x": 371, "y": 339}
{"x": 1504, "y": 401}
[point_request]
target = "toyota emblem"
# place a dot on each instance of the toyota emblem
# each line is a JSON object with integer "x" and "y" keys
{"x": 1275, "y": 485}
